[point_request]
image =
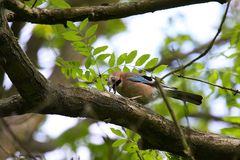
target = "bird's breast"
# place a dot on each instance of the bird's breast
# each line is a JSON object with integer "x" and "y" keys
{"x": 139, "y": 91}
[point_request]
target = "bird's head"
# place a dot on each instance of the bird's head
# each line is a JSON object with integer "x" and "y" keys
{"x": 114, "y": 81}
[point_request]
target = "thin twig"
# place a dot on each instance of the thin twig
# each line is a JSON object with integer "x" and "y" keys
{"x": 16, "y": 140}
{"x": 207, "y": 50}
{"x": 168, "y": 60}
{"x": 235, "y": 91}
{"x": 187, "y": 148}
{"x": 139, "y": 155}
{"x": 207, "y": 116}
{"x": 33, "y": 5}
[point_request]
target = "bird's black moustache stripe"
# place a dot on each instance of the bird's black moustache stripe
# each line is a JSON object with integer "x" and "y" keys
{"x": 118, "y": 82}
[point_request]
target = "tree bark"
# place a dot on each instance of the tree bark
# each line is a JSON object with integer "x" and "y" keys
{"x": 94, "y": 13}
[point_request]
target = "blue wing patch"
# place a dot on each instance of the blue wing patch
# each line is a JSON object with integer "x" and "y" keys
{"x": 142, "y": 79}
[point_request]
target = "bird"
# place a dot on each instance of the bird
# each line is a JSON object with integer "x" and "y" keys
{"x": 143, "y": 89}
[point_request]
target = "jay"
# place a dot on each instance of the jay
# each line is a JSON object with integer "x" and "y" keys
{"x": 144, "y": 90}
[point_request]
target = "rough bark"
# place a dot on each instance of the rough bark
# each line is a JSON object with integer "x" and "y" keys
{"x": 94, "y": 13}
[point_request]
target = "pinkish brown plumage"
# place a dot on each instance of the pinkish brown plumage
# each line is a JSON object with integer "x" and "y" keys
{"x": 142, "y": 88}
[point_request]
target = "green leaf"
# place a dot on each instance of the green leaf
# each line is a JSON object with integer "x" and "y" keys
{"x": 126, "y": 69}
{"x": 130, "y": 147}
{"x": 83, "y": 24}
{"x": 60, "y": 3}
{"x": 102, "y": 57}
{"x": 119, "y": 142}
{"x": 30, "y": 2}
{"x": 213, "y": 77}
{"x": 135, "y": 70}
{"x": 85, "y": 53}
{"x": 226, "y": 79}
{"x": 111, "y": 61}
{"x": 79, "y": 44}
{"x": 233, "y": 119}
{"x": 93, "y": 72}
{"x": 80, "y": 84}
{"x": 153, "y": 62}
{"x": 130, "y": 57}
{"x": 142, "y": 59}
{"x": 121, "y": 58}
{"x": 199, "y": 66}
{"x": 99, "y": 49}
{"x": 59, "y": 61}
{"x": 99, "y": 84}
{"x": 72, "y": 36}
{"x": 88, "y": 62}
{"x": 234, "y": 131}
{"x": 159, "y": 69}
{"x": 117, "y": 132}
{"x": 91, "y": 31}
{"x": 71, "y": 25}
{"x": 92, "y": 40}
{"x": 87, "y": 75}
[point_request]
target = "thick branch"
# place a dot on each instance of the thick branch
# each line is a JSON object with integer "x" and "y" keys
{"x": 94, "y": 13}
{"x": 156, "y": 131}
{"x": 28, "y": 81}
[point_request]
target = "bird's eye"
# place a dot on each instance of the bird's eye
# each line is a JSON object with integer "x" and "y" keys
{"x": 113, "y": 79}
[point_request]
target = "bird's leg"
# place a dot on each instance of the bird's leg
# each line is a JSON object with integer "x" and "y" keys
{"x": 136, "y": 97}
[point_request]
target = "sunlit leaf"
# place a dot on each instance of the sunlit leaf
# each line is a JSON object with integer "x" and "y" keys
{"x": 234, "y": 131}
{"x": 99, "y": 84}
{"x": 72, "y": 36}
{"x": 99, "y": 50}
{"x": 30, "y": 2}
{"x": 226, "y": 79}
{"x": 79, "y": 44}
{"x": 121, "y": 58}
{"x": 126, "y": 69}
{"x": 88, "y": 62}
{"x": 111, "y": 61}
{"x": 83, "y": 24}
{"x": 142, "y": 59}
{"x": 117, "y": 132}
{"x": 130, "y": 147}
{"x": 91, "y": 30}
{"x": 87, "y": 75}
{"x": 213, "y": 77}
{"x": 153, "y": 62}
{"x": 59, "y": 3}
{"x": 71, "y": 25}
{"x": 199, "y": 66}
{"x": 130, "y": 57}
{"x": 232, "y": 119}
{"x": 135, "y": 70}
{"x": 93, "y": 72}
{"x": 159, "y": 69}
{"x": 80, "y": 84}
{"x": 119, "y": 142}
{"x": 92, "y": 39}
{"x": 102, "y": 57}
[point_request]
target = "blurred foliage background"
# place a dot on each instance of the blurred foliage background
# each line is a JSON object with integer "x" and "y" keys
{"x": 73, "y": 56}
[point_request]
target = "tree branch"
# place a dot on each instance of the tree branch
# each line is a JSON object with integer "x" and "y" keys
{"x": 94, "y": 13}
{"x": 156, "y": 131}
{"x": 28, "y": 81}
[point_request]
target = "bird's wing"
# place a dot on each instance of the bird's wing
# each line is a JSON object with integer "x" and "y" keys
{"x": 142, "y": 79}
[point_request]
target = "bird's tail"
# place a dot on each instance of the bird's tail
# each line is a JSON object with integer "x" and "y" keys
{"x": 185, "y": 96}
